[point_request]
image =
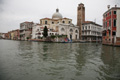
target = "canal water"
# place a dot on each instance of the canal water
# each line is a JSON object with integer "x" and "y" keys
{"x": 24, "y": 60}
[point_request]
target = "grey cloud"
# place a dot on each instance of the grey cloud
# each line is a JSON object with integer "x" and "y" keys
{"x": 13, "y": 12}
{"x": 1, "y": 1}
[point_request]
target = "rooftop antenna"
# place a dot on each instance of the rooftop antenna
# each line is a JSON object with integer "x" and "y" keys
{"x": 95, "y": 20}
{"x": 108, "y": 6}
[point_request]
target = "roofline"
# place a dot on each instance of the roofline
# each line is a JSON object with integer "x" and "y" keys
{"x": 112, "y": 9}
{"x": 45, "y": 18}
{"x": 92, "y": 23}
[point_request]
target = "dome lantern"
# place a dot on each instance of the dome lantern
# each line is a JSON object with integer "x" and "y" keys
{"x": 57, "y": 10}
{"x": 57, "y": 15}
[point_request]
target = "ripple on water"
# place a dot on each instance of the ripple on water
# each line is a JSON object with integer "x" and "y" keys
{"x": 56, "y": 61}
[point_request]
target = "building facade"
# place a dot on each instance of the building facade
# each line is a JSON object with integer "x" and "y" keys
{"x": 91, "y": 31}
{"x": 2, "y": 35}
{"x": 26, "y": 30}
{"x": 57, "y": 25}
{"x": 15, "y": 34}
{"x": 111, "y": 26}
{"x": 80, "y": 18}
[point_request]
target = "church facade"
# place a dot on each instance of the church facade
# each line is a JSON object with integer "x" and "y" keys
{"x": 57, "y": 25}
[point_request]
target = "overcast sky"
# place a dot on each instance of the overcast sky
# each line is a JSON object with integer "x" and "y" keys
{"x": 14, "y": 12}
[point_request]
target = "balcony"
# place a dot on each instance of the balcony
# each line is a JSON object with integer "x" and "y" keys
{"x": 86, "y": 29}
{"x": 23, "y": 32}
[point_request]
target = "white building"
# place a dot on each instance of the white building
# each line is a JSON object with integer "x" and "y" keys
{"x": 2, "y": 35}
{"x": 70, "y": 30}
{"x": 91, "y": 31}
{"x": 37, "y": 31}
{"x": 57, "y": 25}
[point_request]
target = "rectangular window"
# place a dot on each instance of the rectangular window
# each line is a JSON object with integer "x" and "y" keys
{"x": 109, "y": 23}
{"x": 83, "y": 27}
{"x": 114, "y": 23}
{"x": 114, "y": 12}
{"x": 109, "y": 33}
{"x": 89, "y": 27}
{"x": 110, "y": 13}
{"x": 69, "y": 22}
{"x": 45, "y": 22}
{"x": 106, "y": 24}
{"x": 113, "y": 33}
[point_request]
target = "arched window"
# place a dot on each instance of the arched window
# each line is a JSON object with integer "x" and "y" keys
{"x": 52, "y": 33}
{"x": 71, "y": 30}
{"x": 76, "y": 31}
{"x": 62, "y": 29}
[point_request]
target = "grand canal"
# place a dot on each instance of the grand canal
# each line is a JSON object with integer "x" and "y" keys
{"x": 23, "y": 60}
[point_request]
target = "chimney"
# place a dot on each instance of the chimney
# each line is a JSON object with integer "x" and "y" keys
{"x": 108, "y": 6}
{"x": 115, "y": 5}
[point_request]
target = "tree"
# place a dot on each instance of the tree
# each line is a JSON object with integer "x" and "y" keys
{"x": 45, "y": 33}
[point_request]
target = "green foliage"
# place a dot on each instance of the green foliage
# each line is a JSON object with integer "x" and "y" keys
{"x": 64, "y": 35}
{"x": 27, "y": 37}
{"x": 45, "y": 33}
{"x": 52, "y": 36}
{"x": 61, "y": 36}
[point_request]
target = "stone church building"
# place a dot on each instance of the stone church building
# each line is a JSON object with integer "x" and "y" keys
{"x": 57, "y": 25}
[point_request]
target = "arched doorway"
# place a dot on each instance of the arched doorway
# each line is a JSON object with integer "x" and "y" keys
{"x": 71, "y": 36}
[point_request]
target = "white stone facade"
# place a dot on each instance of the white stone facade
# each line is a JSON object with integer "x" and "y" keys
{"x": 37, "y": 31}
{"x": 91, "y": 31}
{"x": 70, "y": 30}
{"x": 56, "y": 26}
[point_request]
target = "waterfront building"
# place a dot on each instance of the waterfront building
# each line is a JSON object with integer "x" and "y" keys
{"x": 80, "y": 18}
{"x": 91, "y": 31}
{"x": 26, "y": 30}
{"x": 12, "y": 34}
{"x": 6, "y": 36}
{"x": 16, "y": 34}
{"x": 9, "y": 34}
{"x": 37, "y": 31}
{"x": 57, "y": 25}
{"x": 2, "y": 35}
{"x": 111, "y": 26}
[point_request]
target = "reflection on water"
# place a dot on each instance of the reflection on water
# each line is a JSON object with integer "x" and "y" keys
{"x": 111, "y": 59}
{"x": 22, "y": 60}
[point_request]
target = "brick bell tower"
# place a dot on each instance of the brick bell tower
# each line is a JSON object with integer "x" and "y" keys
{"x": 80, "y": 17}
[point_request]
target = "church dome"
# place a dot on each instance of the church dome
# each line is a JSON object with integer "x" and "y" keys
{"x": 57, "y": 15}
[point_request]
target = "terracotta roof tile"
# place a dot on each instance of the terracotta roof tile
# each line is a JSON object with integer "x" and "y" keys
{"x": 46, "y": 18}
